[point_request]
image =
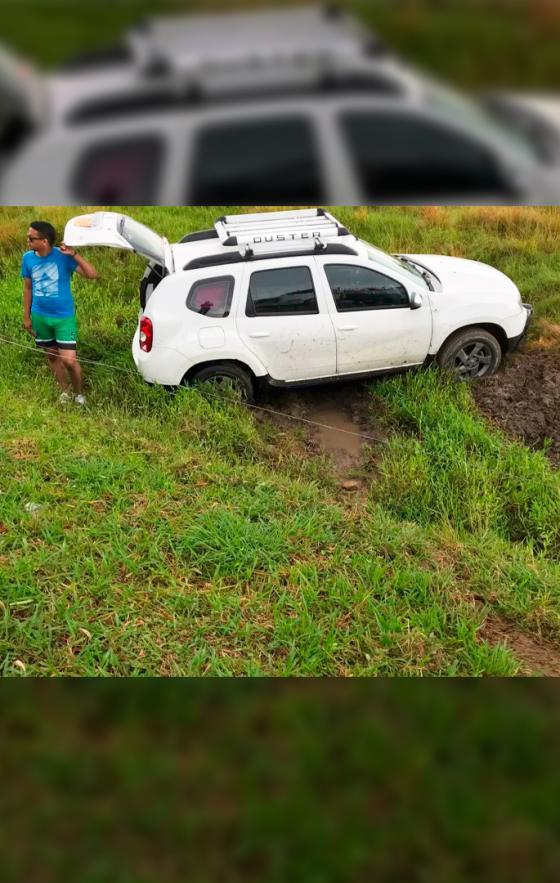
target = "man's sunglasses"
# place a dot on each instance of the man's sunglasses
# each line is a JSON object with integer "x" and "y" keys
{"x": 35, "y": 238}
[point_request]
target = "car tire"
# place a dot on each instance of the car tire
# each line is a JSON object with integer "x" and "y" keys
{"x": 470, "y": 354}
{"x": 228, "y": 375}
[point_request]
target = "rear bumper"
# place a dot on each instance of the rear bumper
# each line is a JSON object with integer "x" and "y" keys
{"x": 163, "y": 366}
{"x": 513, "y": 342}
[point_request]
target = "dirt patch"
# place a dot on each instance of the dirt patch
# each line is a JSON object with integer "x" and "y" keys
{"x": 339, "y": 416}
{"x": 524, "y": 398}
{"x": 536, "y": 655}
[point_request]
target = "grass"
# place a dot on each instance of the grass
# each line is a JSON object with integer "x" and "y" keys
{"x": 179, "y": 536}
{"x": 323, "y": 781}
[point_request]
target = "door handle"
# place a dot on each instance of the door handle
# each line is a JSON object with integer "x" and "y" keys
{"x": 347, "y": 327}
{"x": 259, "y": 334}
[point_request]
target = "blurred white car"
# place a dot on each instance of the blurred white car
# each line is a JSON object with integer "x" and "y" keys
{"x": 23, "y": 100}
{"x": 267, "y": 108}
{"x": 293, "y": 298}
{"x": 536, "y": 117}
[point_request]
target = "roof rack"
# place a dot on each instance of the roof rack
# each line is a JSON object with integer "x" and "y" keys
{"x": 287, "y": 231}
{"x": 190, "y": 43}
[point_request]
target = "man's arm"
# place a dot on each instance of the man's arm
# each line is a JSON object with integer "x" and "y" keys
{"x": 27, "y": 296}
{"x": 84, "y": 267}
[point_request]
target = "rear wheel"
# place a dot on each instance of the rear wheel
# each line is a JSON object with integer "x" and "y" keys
{"x": 225, "y": 376}
{"x": 471, "y": 354}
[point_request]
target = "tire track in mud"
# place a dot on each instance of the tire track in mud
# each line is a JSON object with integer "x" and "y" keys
{"x": 345, "y": 411}
{"x": 523, "y": 399}
{"x": 536, "y": 654}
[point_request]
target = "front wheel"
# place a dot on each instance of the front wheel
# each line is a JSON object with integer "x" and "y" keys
{"x": 471, "y": 354}
{"x": 225, "y": 376}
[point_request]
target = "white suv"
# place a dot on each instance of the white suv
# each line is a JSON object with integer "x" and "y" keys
{"x": 267, "y": 108}
{"x": 293, "y": 298}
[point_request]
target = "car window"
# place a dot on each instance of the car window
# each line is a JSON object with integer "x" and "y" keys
{"x": 119, "y": 173}
{"x": 357, "y": 288}
{"x": 272, "y": 162}
{"x": 288, "y": 291}
{"x": 400, "y": 156}
{"x": 211, "y": 297}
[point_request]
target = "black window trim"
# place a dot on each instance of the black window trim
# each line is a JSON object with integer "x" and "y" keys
{"x": 237, "y": 258}
{"x": 369, "y": 309}
{"x": 250, "y": 311}
{"x": 210, "y": 279}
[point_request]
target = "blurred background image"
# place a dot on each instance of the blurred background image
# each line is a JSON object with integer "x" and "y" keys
{"x": 417, "y": 101}
{"x": 308, "y": 781}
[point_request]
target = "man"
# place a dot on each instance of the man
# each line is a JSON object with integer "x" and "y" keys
{"x": 48, "y": 307}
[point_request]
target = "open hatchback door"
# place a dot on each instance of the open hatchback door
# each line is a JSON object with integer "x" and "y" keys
{"x": 119, "y": 231}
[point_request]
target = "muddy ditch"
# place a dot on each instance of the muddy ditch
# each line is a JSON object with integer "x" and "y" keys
{"x": 523, "y": 400}
{"x": 340, "y": 424}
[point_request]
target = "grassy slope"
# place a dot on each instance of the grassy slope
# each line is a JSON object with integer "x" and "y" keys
{"x": 177, "y": 536}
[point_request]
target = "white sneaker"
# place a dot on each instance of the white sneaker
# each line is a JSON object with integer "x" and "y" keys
{"x": 64, "y": 398}
{"x": 80, "y": 400}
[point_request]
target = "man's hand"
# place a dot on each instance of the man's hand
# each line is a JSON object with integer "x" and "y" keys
{"x": 85, "y": 269}
{"x": 28, "y": 326}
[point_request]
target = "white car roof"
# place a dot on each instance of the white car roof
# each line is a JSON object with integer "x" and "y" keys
{"x": 229, "y": 53}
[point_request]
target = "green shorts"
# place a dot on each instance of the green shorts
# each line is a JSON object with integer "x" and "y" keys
{"x": 53, "y": 331}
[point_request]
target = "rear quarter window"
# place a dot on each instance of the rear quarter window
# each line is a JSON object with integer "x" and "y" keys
{"x": 211, "y": 297}
{"x": 120, "y": 172}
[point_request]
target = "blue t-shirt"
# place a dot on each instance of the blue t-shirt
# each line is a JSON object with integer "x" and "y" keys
{"x": 50, "y": 282}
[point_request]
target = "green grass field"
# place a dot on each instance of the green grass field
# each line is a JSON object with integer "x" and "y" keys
{"x": 180, "y": 536}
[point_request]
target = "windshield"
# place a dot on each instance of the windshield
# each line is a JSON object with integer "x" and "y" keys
{"x": 461, "y": 110}
{"x": 416, "y": 277}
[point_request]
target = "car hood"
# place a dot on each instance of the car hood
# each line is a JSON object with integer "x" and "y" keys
{"x": 460, "y": 276}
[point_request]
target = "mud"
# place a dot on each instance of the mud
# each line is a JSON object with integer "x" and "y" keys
{"x": 524, "y": 398}
{"x": 341, "y": 421}
{"x": 536, "y": 655}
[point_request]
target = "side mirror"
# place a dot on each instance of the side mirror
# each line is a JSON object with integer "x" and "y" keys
{"x": 415, "y": 301}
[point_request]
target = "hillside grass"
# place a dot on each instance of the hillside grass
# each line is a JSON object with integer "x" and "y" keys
{"x": 180, "y": 536}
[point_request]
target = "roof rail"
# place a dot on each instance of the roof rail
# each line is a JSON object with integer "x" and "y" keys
{"x": 263, "y": 232}
{"x": 235, "y": 257}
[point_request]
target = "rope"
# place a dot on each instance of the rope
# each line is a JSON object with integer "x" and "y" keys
{"x": 378, "y": 439}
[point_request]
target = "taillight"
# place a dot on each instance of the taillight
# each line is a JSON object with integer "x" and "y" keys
{"x": 146, "y": 334}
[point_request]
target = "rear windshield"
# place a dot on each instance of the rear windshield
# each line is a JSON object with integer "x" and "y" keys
{"x": 142, "y": 239}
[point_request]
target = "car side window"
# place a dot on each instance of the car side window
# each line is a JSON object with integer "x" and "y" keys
{"x": 122, "y": 172}
{"x": 272, "y": 161}
{"x": 399, "y": 156}
{"x": 288, "y": 291}
{"x": 357, "y": 288}
{"x": 211, "y": 297}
